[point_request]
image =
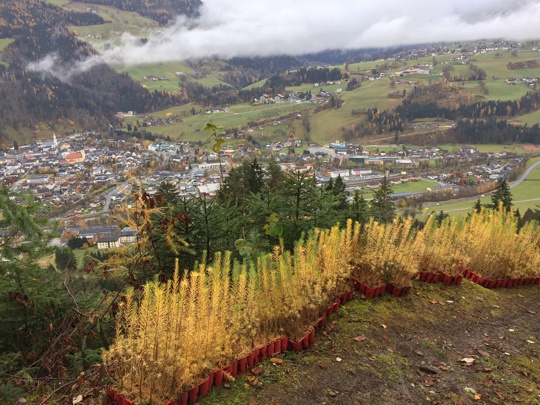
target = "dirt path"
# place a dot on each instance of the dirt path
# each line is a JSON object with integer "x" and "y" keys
{"x": 412, "y": 350}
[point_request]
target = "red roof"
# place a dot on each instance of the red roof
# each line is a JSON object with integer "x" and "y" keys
{"x": 76, "y": 155}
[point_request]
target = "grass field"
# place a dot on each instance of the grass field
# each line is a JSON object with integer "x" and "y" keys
{"x": 4, "y": 42}
{"x": 237, "y": 117}
{"x": 129, "y": 18}
{"x": 327, "y": 125}
{"x": 57, "y": 2}
{"x": 488, "y": 148}
{"x": 118, "y": 23}
{"x": 531, "y": 119}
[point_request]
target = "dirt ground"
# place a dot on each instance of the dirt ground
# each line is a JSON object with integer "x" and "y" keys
{"x": 439, "y": 345}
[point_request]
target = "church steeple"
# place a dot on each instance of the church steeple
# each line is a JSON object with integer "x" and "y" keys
{"x": 55, "y": 141}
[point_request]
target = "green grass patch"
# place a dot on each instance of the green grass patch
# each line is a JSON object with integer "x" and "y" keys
{"x": 128, "y": 18}
{"x": 237, "y": 117}
{"x": 530, "y": 119}
{"x": 327, "y": 125}
{"x": 4, "y": 42}
{"x": 487, "y": 148}
{"x": 57, "y": 2}
{"x": 260, "y": 83}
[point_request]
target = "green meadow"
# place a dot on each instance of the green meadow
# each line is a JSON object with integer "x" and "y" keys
{"x": 237, "y": 116}
{"x": 114, "y": 15}
{"x": 57, "y": 2}
{"x": 4, "y": 42}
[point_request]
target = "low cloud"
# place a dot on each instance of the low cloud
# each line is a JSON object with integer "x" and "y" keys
{"x": 276, "y": 27}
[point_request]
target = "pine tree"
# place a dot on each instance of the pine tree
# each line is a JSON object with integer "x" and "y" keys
{"x": 501, "y": 195}
{"x": 382, "y": 205}
{"x": 477, "y": 207}
{"x": 358, "y": 211}
{"x": 65, "y": 259}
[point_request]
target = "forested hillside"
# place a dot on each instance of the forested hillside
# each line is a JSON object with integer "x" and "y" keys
{"x": 90, "y": 98}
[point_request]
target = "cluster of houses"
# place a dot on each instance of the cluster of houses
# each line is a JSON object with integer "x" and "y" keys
{"x": 529, "y": 81}
{"x": 64, "y": 171}
{"x": 104, "y": 237}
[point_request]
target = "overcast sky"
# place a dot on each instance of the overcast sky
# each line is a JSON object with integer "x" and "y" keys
{"x": 228, "y": 28}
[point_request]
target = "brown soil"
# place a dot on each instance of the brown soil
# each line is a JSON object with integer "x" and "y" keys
{"x": 410, "y": 350}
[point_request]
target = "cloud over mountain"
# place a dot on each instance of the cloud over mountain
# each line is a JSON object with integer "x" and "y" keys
{"x": 270, "y": 27}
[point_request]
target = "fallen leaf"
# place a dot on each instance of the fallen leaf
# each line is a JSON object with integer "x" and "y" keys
{"x": 339, "y": 359}
{"x": 418, "y": 352}
{"x": 530, "y": 341}
{"x": 383, "y": 325}
{"x": 483, "y": 353}
{"x": 443, "y": 368}
{"x": 77, "y": 399}
{"x": 467, "y": 360}
{"x": 450, "y": 301}
{"x": 477, "y": 397}
{"x": 360, "y": 338}
{"x": 321, "y": 366}
{"x": 500, "y": 395}
{"x": 251, "y": 378}
{"x": 257, "y": 370}
{"x": 510, "y": 330}
{"x": 433, "y": 301}
{"x": 252, "y": 402}
{"x": 276, "y": 360}
{"x": 441, "y": 303}
{"x": 520, "y": 296}
{"x": 487, "y": 370}
{"x": 429, "y": 382}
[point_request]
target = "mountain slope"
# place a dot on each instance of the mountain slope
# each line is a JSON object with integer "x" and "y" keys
{"x": 89, "y": 99}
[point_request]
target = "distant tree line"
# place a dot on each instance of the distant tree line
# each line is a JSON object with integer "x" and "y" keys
{"x": 496, "y": 131}
{"x": 266, "y": 65}
{"x": 412, "y": 109}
